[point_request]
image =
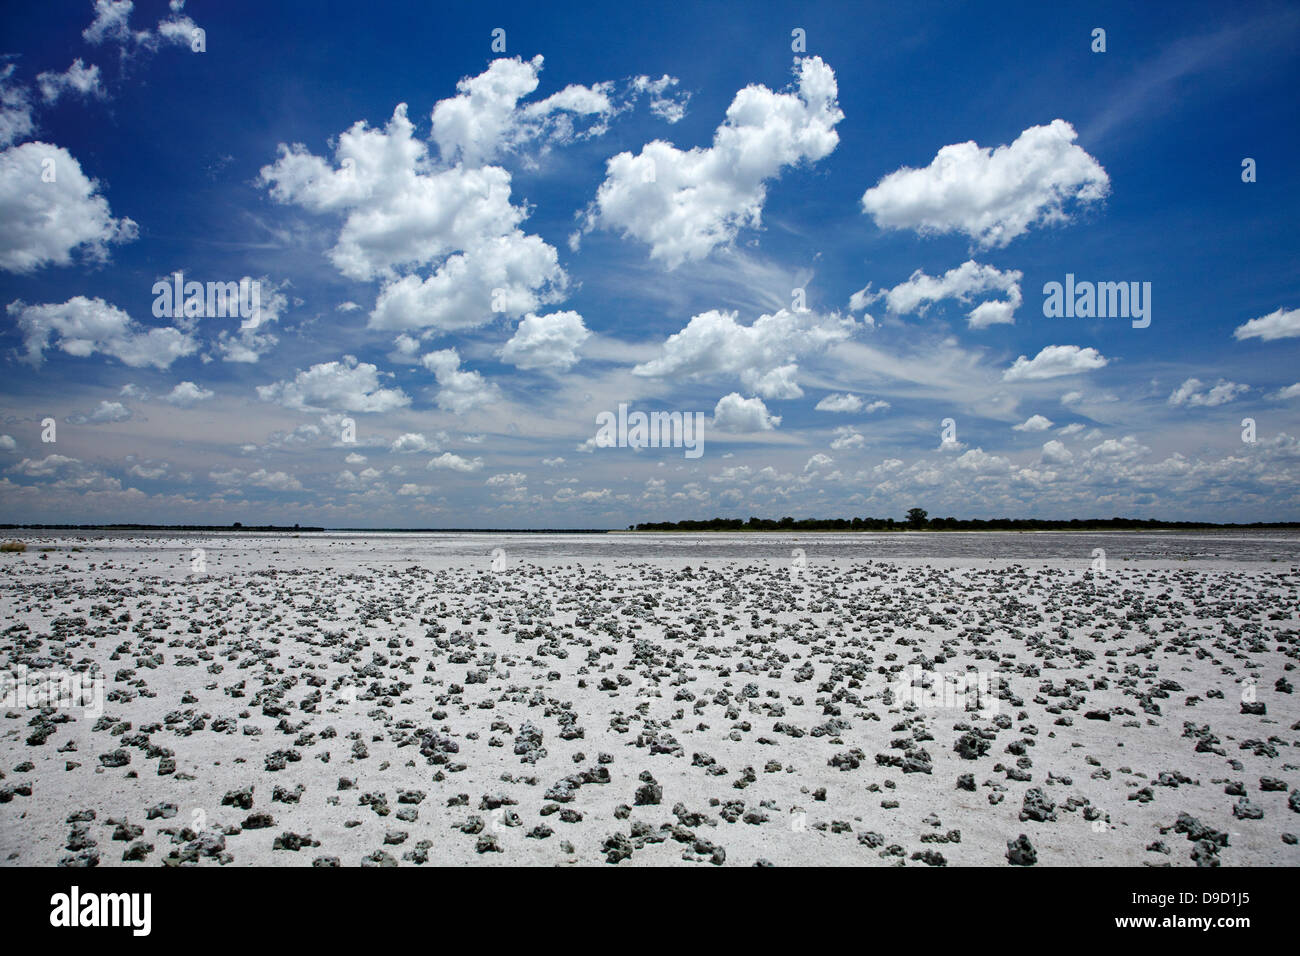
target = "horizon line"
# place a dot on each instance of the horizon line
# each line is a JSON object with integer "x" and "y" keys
{"x": 765, "y": 525}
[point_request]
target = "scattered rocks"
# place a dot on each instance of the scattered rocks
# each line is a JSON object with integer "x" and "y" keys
{"x": 426, "y": 680}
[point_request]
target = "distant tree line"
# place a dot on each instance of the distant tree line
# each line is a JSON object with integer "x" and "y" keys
{"x": 919, "y": 520}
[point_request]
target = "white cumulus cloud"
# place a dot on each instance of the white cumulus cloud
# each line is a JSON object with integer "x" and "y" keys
{"x": 187, "y": 394}
{"x": 110, "y": 21}
{"x": 83, "y": 326}
{"x": 1053, "y": 362}
{"x": 1193, "y": 393}
{"x": 346, "y": 385}
{"x": 485, "y": 118}
{"x": 46, "y": 221}
{"x": 991, "y": 195}
{"x": 1279, "y": 324}
{"x": 847, "y": 437}
{"x": 459, "y": 390}
{"x": 106, "y": 413}
{"x": 412, "y": 442}
{"x": 455, "y": 463}
{"x": 77, "y": 78}
{"x": 966, "y": 281}
{"x": 684, "y": 203}
{"x": 443, "y": 236}
{"x": 733, "y": 413}
{"x": 762, "y": 356}
{"x": 15, "y": 109}
{"x": 1126, "y": 449}
{"x": 837, "y": 402}
{"x": 546, "y": 341}
{"x": 1034, "y": 423}
{"x": 1055, "y": 453}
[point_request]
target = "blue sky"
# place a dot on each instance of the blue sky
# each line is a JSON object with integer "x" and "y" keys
{"x": 471, "y": 281}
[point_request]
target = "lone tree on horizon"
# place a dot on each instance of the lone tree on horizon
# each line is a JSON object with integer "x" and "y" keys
{"x": 916, "y": 517}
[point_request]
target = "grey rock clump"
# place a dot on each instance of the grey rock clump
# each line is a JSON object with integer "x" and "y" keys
{"x": 650, "y": 793}
{"x": 1020, "y": 852}
{"x": 528, "y": 743}
{"x": 239, "y": 798}
{"x": 1037, "y": 806}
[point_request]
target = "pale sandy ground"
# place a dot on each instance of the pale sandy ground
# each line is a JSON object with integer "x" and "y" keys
{"x": 357, "y": 660}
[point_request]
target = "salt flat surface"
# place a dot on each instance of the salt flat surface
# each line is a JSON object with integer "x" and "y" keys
{"x": 654, "y": 699}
